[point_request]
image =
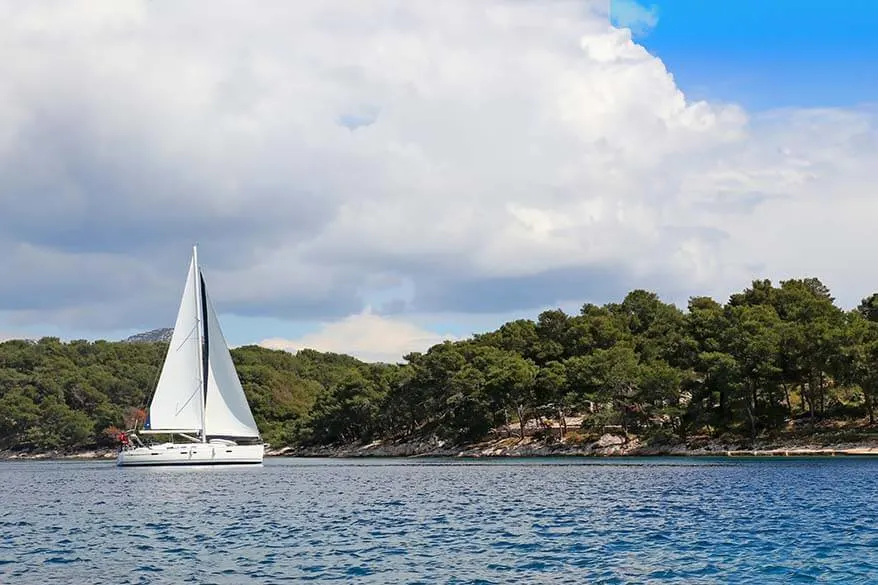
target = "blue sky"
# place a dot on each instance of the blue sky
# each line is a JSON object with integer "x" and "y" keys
{"x": 516, "y": 158}
{"x": 770, "y": 53}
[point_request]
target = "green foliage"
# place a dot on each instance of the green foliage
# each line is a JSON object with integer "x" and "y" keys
{"x": 771, "y": 355}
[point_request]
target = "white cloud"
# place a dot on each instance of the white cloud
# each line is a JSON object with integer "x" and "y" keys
{"x": 12, "y": 336}
{"x": 495, "y": 143}
{"x": 367, "y": 336}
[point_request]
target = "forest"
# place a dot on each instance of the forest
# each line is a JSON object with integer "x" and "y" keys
{"x": 770, "y": 358}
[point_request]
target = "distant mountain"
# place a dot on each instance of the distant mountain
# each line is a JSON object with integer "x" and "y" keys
{"x": 163, "y": 335}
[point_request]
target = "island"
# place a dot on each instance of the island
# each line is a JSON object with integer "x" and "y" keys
{"x": 777, "y": 370}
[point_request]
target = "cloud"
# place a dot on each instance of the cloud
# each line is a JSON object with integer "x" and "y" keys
{"x": 367, "y": 336}
{"x": 446, "y": 157}
{"x": 633, "y": 15}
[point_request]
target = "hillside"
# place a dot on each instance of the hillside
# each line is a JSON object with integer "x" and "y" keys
{"x": 155, "y": 335}
{"x": 773, "y": 360}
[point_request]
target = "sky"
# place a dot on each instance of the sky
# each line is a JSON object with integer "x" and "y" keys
{"x": 373, "y": 178}
{"x": 764, "y": 55}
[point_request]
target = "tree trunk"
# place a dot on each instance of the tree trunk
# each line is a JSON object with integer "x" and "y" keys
{"x": 812, "y": 395}
{"x": 752, "y": 425}
{"x": 755, "y": 394}
{"x": 870, "y": 406}
{"x": 681, "y": 428}
{"x": 521, "y": 419}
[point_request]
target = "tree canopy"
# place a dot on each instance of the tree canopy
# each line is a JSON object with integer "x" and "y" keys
{"x": 768, "y": 356}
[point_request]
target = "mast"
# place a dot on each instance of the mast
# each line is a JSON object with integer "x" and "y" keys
{"x": 205, "y": 354}
{"x": 199, "y": 324}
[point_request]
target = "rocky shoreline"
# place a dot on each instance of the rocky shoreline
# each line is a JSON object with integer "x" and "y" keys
{"x": 608, "y": 445}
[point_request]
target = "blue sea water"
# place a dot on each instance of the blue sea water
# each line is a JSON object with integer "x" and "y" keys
{"x": 520, "y": 521}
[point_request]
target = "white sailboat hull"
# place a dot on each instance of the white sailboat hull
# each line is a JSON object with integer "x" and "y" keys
{"x": 191, "y": 454}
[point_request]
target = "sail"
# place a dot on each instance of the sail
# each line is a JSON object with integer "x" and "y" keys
{"x": 177, "y": 402}
{"x": 227, "y": 412}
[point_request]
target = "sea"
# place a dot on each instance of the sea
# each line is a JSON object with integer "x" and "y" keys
{"x": 521, "y": 521}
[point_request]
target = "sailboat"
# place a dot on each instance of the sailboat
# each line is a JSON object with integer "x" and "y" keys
{"x": 198, "y": 396}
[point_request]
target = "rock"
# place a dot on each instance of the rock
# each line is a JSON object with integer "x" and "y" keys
{"x": 609, "y": 440}
{"x": 156, "y": 335}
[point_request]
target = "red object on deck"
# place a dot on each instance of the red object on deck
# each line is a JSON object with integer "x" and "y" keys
{"x": 123, "y": 437}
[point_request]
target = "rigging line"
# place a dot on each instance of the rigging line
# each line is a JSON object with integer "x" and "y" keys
{"x": 188, "y": 337}
{"x": 185, "y": 404}
{"x": 185, "y": 340}
{"x": 154, "y": 384}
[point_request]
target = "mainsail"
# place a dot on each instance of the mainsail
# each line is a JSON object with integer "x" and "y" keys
{"x": 199, "y": 390}
{"x": 177, "y": 404}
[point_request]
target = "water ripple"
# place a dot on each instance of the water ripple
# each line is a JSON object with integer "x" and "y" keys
{"x": 394, "y": 521}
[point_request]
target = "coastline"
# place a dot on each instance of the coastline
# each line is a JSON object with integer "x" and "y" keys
{"x": 609, "y": 446}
